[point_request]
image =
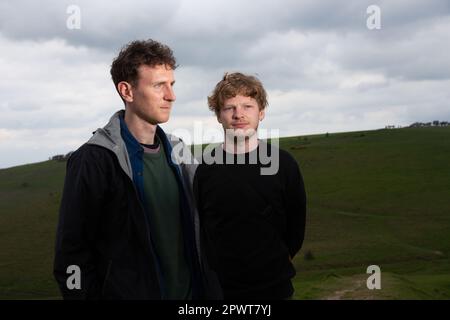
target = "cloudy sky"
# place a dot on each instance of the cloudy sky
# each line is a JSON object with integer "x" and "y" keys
{"x": 324, "y": 69}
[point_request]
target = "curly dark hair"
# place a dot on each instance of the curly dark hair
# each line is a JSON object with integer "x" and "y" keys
{"x": 233, "y": 84}
{"x": 136, "y": 53}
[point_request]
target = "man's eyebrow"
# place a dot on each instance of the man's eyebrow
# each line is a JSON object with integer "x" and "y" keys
{"x": 162, "y": 82}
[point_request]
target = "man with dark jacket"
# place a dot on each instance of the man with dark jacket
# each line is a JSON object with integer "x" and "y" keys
{"x": 127, "y": 221}
{"x": 251, "y": 198}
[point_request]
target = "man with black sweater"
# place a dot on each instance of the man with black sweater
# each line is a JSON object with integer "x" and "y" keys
{"x": 253, "y": 218}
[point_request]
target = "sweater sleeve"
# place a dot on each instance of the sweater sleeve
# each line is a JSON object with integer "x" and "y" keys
{"x": 295, "y": 207}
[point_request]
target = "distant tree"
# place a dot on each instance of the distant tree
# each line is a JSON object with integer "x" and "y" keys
{"x": 309, "y": 255}
{"x": 66, "y": 157}
{"x": 61, "y": 157}
{"x": 435, "y": 123}
{"x": 58, "y": 157}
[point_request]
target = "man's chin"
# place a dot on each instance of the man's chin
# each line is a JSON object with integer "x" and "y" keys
{"x": 240, "y": 133}
{"x": 159, "y": 120}
{"x": 163, "y": 121}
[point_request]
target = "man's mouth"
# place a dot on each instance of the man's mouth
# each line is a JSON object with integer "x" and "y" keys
{"x": 240, "y": 124}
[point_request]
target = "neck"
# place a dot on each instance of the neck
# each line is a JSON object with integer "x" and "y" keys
{"x": 240, "y": 145}
{"x": 142, "y": 131}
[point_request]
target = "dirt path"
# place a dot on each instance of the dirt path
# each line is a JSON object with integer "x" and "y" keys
{"x": 357, "y": 285}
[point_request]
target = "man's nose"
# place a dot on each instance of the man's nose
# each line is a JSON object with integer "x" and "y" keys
{"x": 169, "y": 94}
{"x": 237, "y": 112}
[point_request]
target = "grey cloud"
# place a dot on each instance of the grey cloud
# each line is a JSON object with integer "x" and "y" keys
{"x": 419, "y": 57}
{"x": 324, "y": 70}
{"x": 196, "y": 28}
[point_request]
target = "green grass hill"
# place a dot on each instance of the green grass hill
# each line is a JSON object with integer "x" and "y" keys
{"x": 377, "y": 197}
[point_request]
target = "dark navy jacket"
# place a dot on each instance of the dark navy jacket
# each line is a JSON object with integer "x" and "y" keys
{"x": 103, "y": 225}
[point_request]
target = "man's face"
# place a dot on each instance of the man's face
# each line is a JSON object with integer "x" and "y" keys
{"x": 153, "y": 94}
{"x": 240, "y": 116}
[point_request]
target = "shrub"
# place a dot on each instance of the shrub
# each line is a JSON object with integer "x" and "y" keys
{"x": 309, "y": 255}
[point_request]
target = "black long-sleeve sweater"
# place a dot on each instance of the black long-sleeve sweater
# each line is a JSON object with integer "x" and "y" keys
{"x": 253, "y": 224}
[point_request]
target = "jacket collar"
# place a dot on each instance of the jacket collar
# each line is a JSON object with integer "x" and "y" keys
{"x": 132, "y": 144}
{"x": 111, "y": 138}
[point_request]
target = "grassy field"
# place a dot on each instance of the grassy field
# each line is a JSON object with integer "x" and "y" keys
{"x": 374, "y": 198}
{"x": 377, "y": 197}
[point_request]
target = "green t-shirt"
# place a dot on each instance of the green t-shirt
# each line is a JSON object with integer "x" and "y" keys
{"x": 162, "y": 201}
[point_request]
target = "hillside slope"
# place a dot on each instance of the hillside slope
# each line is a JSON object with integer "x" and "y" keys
{"x": 376, "y": 197}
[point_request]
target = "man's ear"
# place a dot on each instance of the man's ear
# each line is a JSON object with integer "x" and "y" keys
{"x": 262, "y": 114}
{"x": 125, "y": 90}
